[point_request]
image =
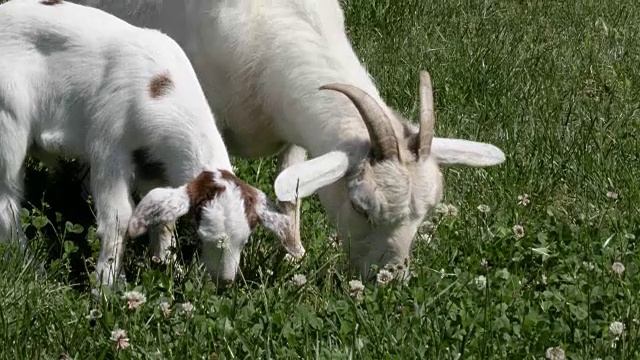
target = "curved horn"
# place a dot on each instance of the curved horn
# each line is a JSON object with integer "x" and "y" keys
{"x": 383, "y": 139}
{"x": 427, "y": 117}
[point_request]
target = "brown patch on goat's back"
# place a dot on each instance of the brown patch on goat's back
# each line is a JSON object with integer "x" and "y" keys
{"x": 51, "y": 2}
{"x": 249, "y": 195}
{"x": 160, "y": 85}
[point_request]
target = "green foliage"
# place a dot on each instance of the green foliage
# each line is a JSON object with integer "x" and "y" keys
{"x": 554, "y": 84}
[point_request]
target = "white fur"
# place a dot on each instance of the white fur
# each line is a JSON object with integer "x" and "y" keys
{"x": 261, "y": 64}
{"x": 75, "y": 81}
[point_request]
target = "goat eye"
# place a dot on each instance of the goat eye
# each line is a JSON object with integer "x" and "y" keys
{"x": 357, "y": 208}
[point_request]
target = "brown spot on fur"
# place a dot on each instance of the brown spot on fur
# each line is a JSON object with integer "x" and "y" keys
{"x": 200, "y": 190}
{"x": 51, "y": 2}
{"x": 249, "y": 195}
{"x": 204, "y": 188}
{"x": 160, "y": 85}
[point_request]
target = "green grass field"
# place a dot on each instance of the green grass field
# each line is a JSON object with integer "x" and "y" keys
{"x": 555, "y": 84}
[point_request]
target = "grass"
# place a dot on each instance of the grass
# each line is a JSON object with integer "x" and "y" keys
{"x": 554, "y": 84}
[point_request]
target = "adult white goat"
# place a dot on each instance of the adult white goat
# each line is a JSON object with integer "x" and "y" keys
{"x": 262, "y": 65}
{"x": 78, "y": 82}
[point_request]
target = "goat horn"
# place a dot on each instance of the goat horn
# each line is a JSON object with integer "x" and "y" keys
{"x": 383, "y": 139}
{"x": 427, "y": 117}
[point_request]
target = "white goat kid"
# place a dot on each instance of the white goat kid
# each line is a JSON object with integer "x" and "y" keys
{"x": 78, "y": 82}
{"x": 262, "y": 63}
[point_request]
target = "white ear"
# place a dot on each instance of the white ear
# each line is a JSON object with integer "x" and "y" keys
{"x": 311, "y": 175}
{"x": 464, "y": 152}
{"x": 159, "y": 206}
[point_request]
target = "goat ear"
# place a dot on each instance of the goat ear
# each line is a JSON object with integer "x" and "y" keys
{"x": 464, "y": 152}
{"x": 280, "y": 225}
{"x": 159, "y": 206}
{"x": 303, "y": 179}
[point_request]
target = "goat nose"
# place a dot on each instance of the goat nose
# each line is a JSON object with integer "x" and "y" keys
{"x": 225, "y": 282}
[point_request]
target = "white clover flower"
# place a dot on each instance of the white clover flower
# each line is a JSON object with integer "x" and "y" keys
{"x": 518, "y": 231}
{"x": 384, "y": 276}
{"x": 299, "y": 279}
{"x": 356, "y": 289}
{"x": 481, "y": 282}
{"x": 555, "y": 353}
{"x": 426, "y": 238}
{"x": 616, "y": 328}
{"x": 269, "y": 272}
{"x": 179, "y": 270}
{"x": 523, "y": 200}
{"x": 119, "y": 336}
{"x": 447, "y": 209}
{"x": 134, "y": 299}
{"x": 222, "y": 242}
{"x": 390, "y": 267}
{"x": 289, "y": 258}
{"x": 187, "y": 308}
{"x": 334, "y": 240}
{"x": 485, "y": 209}
{"x": 612, "y": 195}
{"x": 544, "y": 280}
{"x": 94, "y": 314}
{"x": 165, "y": 308}
{"x": 484, "y": 263}
{"x": 452, "y": 211}
{"x": 426, "y": 226}
{"x": 618, "y": 268}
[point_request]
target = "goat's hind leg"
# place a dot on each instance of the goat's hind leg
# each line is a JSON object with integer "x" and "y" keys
{"x": 12, "y": 155}
{"x": 10, "y": 224}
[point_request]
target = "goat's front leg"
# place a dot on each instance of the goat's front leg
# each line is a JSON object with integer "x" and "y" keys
{"x": 110, "y": 175}
{"x": 292, "y": 155}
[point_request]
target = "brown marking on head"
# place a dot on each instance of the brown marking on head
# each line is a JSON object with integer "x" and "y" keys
{"x": 204, "y": 188}
{"x": 200, "y": 190}
{"x": 51, "y": 2}
{"x": 160, "y": 85}
{"x": 249, "y": 195}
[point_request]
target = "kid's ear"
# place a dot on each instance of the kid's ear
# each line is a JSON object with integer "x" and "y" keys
{"x": 279, "y": 224}
{"x": 159, "y": 206}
